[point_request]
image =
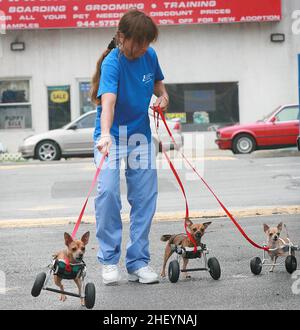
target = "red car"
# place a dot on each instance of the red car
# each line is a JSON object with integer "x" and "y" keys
{"x": 277, "y": 130}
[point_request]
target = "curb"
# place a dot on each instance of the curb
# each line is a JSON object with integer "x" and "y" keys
{"x": 159, "y": 217}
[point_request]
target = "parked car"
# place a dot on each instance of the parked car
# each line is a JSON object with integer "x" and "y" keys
{"x": 76, "y": 139}
{"x": 279, "y": 129}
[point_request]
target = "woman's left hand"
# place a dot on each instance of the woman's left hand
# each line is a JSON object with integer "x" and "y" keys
{"x": 163, "y": 102}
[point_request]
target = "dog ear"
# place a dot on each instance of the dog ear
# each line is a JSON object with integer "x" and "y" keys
{"x": 280, "y": 226}
{"x": 206, "y": 224}
{"x": 266, "y": 228}
{"x": 189, "y": 222}
{"x": 68, "y": 239}
{"x": 85, "y": 238}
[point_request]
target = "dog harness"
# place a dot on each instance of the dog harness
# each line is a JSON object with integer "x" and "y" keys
{"x": 65, "y": 270}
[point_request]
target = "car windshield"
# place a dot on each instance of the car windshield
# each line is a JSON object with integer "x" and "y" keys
{"x": 265, "y": 118}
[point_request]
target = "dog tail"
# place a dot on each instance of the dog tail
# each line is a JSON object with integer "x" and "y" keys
{"x": 165, "y": 238}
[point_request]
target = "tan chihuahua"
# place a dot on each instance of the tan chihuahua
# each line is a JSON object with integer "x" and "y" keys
{"x": 275, "y": 242}
{"x": 73, "y": 255}
{"x": 196, "y": 230}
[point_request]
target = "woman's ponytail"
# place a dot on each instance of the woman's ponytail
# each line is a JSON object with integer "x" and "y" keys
{"x": 96, "y": 76}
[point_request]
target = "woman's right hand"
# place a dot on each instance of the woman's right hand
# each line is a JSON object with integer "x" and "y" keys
{"x": 104, "y": 144}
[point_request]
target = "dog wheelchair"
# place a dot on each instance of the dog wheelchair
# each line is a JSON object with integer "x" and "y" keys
{"x": 256, "y": 264}
{"x": 60, "y": 268}
{"x": 211, "y": 265}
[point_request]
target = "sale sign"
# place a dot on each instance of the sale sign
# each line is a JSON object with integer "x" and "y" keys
{"x": 47, "y": 14}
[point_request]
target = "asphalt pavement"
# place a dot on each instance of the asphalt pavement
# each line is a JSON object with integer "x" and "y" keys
{"x": 25, "y": 252}
{"x": 37, "y": 190}
{"x": 40, "y": 201}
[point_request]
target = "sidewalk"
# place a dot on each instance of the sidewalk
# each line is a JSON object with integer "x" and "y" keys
{"x": 212, "y": 152}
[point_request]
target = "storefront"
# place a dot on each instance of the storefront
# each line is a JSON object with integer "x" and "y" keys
{"x": 219, "y": 58}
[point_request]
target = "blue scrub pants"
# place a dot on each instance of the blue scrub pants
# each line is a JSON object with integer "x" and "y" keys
{"x": 141, "y": 179}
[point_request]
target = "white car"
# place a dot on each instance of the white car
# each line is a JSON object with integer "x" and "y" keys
{"x": 76, "y": 139}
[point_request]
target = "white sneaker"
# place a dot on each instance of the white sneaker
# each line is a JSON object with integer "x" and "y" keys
{"x": 144, "y": 275}
{"x": 110, "y": 274}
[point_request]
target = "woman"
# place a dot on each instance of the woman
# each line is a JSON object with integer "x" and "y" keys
{"x": 128, "y": 73}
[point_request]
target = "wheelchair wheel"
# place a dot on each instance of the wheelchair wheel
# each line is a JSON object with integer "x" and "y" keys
{"x": 214, "y": 268}
{"x": 90, "y": 295}
{"x": 174, "y": 271}
{"x": 290, "y": 264}
{"x": 256, "y": 265}
{"x": 38, "y": 284}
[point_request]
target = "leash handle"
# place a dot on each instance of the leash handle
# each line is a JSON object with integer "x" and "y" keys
{"x": 90, "y": 191}
{"x": 160, "y": 112}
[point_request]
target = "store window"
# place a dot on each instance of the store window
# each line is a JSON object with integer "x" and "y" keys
{"x": 59, "y": 106}
{"x": 15, "y": 104}
{"x": 203, "y": 107}
{"x": 86, "y": 104}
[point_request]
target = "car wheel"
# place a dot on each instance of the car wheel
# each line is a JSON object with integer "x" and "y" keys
{"x": 243, "y": 144}
{"x": 48, "y": 150}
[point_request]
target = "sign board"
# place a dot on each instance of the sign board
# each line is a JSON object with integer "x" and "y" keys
{"x": 46, "y": 14}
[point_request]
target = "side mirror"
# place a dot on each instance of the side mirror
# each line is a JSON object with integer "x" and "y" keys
{"x": 74, "y": 127}
{"x": 273, "y": 120}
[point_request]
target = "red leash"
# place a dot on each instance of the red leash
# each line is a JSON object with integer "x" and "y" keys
{"x": 160, "y": 112}
{"x": 191, "y": 238}
{"x": 91, "y": 189}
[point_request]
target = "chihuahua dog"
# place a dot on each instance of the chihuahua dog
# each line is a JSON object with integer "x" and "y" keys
{"x": 275, "y": 242}
{"x": 196, "y": 230}
{"x": 74, "y": 255}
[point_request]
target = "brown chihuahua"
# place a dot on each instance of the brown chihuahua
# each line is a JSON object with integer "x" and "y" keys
{"x": 196, "y": 230}
{"x": 275, "y": 242}
{"x": 72, "y": 255}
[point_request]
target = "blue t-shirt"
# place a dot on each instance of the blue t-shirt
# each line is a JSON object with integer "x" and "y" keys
{"x": 133, "y": 83}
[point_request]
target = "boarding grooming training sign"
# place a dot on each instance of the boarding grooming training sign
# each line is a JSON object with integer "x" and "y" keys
{"x": 47, "y": 14}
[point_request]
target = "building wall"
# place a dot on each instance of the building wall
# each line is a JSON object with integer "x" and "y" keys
{"x": 266, "y": 71}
